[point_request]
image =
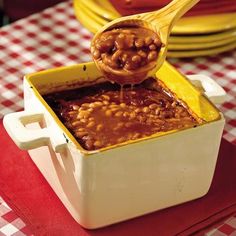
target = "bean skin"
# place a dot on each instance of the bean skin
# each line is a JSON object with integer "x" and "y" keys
{"x": 114, "y": 109}
{"x": 174, "y": 104}
{"x": 99, "y": 127}
{"x": 153, "y": 106}
{"x": 128, "y": 124}
{"x": 98, "y": 104}
{"x": 126, "y": 48}
{"x": 106, "y": 97}
{"x": 146, "y": 109}
{"x": 152, "y": 55}
{"x": 126, "y": 114}
{"x": 83, "y": 120}
{"x": 142, "y": 54}
{"x": 132, "y": 115}
{"x": 81, "y": 134}
{"x": 81, "y": 129}
{"x": 96, "y": 54}
{"x": 85, "y": 105}
{"x": 157, "y": 42}
{"x": 142, "y": 119}
{"x": 72, "y": 112}
{"x": 105, "y": 102}
{"x": 139, "y": 43}
{"x": 75, "y": 107}
{"x": 157, "y": 111}
{"x": 90, "y": 124}
{"x": 89, "y": 144}
{"x": 99, "y": 118}
{"x": 119, "y": 114}
{"x": 122, "y": 105}
{"x": 108, "y": 113}
{"x": 113, "y": 106}
{"x": 121, "y": 140}
{"x": 136, "y": 58}
{"x": 138, "y": 110}
{"x": 152, "y": 47}
{"x": 83, "y": 114}
{"x": 124, "y": 57}
{"x": 128, "y": 66}
{"x": 121, "y": 36}
{"x": 116, "y": 55}
{"x": 148, "y": 41}
{"x": 136, "y": 135}
{"x": 75, "y": 123}
{"x": 97, "y": 144}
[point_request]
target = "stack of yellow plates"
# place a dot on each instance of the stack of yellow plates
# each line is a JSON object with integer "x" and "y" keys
{"x": 192, "y": 36}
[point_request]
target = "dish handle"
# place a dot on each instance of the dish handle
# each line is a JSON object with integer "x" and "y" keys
{"x": 211, "y": 89}
{"x": 26, "y": 138}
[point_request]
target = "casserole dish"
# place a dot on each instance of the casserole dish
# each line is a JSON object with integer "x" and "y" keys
{"x": 127, "y": 180}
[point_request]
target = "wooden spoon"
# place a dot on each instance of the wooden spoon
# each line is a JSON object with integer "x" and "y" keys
{"x": 161, "y": 22}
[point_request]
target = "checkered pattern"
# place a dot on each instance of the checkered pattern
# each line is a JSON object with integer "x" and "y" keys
{"x": 54, "y": 38}
{"x": 50, "y": 39}
{"x": 10, "y": 223}
{"x": 227, "y": 229}
{"x": 222, "y": 68}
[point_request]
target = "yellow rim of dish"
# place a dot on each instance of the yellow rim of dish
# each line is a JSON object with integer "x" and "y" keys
{"x": 176, "y": 82}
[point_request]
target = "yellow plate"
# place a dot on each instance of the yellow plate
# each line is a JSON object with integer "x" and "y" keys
{"x": 206, "y": 38}
{"x": 205, "y": 24}
{"x": 206, "y": 52}
{"x": 90, "y": 15}
{"x": 211, "y": 38}
{"x": 85, "y": 20}
{"x": 104, "y": 10}
{"x": 93, "y": 25}
{"x": 199, "y": 46}
{"x": 186, "y": 25}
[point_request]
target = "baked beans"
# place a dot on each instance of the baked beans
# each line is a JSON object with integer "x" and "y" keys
{"x": 98, "y": 118}
{"x": 126, "y": 50}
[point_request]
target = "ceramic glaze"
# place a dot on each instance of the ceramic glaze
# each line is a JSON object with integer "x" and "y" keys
{"x": 124, "y": 181}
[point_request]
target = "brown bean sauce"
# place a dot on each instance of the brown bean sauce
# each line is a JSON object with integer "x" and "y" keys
{"x": 126, "y": 49}
{"x": 98, "y": 118}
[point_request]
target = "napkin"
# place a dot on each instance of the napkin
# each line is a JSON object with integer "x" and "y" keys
{"x": 26, "y": 191}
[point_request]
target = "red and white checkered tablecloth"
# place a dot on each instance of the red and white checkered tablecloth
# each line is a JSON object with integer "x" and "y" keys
{"x": 222, "y": 68}
{"x": 55, "y": 38}
{"x": 10, "y": 223}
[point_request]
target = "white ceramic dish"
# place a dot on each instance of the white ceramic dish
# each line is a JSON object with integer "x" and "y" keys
{"x": 125, "y": 181}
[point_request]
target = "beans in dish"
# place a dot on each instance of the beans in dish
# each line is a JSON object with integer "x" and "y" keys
{"x": 98, "y": 117}
{"x": 121, "y": 52}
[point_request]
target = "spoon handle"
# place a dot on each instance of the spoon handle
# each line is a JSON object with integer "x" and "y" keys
{"x": 167, "y": 16}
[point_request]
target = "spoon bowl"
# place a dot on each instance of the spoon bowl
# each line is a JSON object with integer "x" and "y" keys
{"x": 161, "y": 22}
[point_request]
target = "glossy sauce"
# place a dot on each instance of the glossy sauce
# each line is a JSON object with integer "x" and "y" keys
{"x": 125, "y": 51}
{"x": 98, "y": 118}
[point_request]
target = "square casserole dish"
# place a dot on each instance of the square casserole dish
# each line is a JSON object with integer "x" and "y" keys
{"x": 127, "y": 180}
